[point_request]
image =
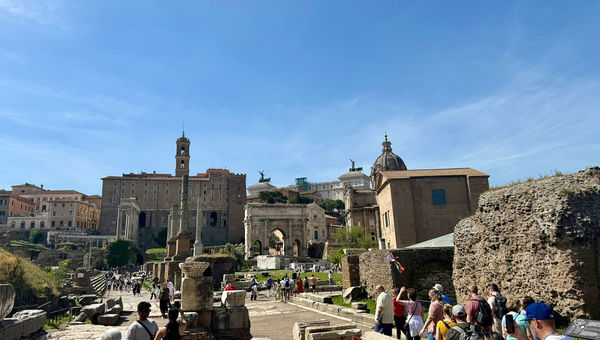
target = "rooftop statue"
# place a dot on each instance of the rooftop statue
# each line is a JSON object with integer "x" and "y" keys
{"x": 262, "y": 177}
{"x": 353, "y": 168}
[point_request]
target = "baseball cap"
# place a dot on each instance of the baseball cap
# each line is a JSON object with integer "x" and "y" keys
{"x": 438, "y": 286}
{"x": 459, "y": 310}
{"x": 539, "y": 311}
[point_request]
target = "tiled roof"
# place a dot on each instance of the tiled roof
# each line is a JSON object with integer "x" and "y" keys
{"x": 432, "y": 173}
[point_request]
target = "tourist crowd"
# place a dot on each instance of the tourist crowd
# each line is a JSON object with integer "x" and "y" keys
{"x": 496, "y": 318}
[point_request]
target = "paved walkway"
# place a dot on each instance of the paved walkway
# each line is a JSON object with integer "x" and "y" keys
{"x": 268, "y": 319}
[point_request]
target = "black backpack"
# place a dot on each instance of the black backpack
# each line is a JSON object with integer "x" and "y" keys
{"x": 500, "y": 306}
{"x": 484, "y": 317}
{"x": 287, "y": 283}
{"x": 467, "y": 334}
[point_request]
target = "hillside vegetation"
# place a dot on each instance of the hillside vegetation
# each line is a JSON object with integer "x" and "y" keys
{"x": 28, "y": 279}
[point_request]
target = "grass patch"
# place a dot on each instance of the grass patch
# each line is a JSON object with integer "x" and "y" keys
{"x": 339, "y": 301}
{"x": 528, "y": 179}
{"x": 278, "y": 274}
{"x": 53, "y": 324}
{"x": 156, "y": 254}
{"x": 28, "y": 279}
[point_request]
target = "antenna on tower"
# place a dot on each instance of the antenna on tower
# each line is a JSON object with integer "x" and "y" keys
{"x": 183, "y": 129}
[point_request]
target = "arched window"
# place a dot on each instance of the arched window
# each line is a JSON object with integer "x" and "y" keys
{"x": 182, "y": 165}
{"x": 438, "y": 196}
{"x": 32, "y": 225}
{"x": 23, "y": 225}
{"x": 42, "y": 225}
{"x": 212, "y": 221}
{"x": 183, "y": 150}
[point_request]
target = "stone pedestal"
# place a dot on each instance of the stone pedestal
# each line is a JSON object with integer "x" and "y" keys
{"x": 197, "y": 291}
{"x": 171, "y": 247}
{"x": 81, "y": 281}
{"x": 182, "y": 245}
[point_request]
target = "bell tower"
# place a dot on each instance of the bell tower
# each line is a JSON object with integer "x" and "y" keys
{"x": 182, "y": 156}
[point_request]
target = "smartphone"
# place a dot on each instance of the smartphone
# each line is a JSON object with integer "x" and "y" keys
{"x": 510, "y": 324}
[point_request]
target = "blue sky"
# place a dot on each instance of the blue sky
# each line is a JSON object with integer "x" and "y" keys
{"x": 96, "y": 88}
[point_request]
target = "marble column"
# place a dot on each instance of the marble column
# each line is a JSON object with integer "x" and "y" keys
{"x": 119, "y": 213}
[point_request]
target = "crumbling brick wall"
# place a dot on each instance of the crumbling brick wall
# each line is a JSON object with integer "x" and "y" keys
{"x": 539, "y": 238}
{"x": 423, "y": 269}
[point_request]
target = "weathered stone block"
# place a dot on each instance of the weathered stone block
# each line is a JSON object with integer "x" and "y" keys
{"x": 350, "y": 271}
{"x": 230, "y": 318}
{"x": 335, "y": 335}
{"x": 7, "y": 300}
{"x": 197, "y": 293}
{"x": 11, "y": 329}
{"x": 108, "y": 319}
{"x": 86, "y": 299}
{"x": 116, "y": 309}
{"x": 233, "y": 298}
{"x": 364, "y": 319}
{"x": 354, "y": 293}
{"x": 75, "y": 310}
{"x": 228, "y": 277}
{"x": 32, "y": 320}
{"x": 359, "y": 305}
{"x": 192, "y": 319}
{"x": 330, "y": 332}
{"x": 81, "y": 278}
{"x": 317, "y": 298}
{"x": 80, "y": 318}
{"x": 300, "y": 326}
{"x": 93, "y": 311}
{"x": 370, "y": 335}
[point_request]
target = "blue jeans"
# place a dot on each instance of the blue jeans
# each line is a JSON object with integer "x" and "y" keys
{"x": 384, "y": 328}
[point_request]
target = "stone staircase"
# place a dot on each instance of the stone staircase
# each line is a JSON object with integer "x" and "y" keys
{"x": 99, "y": 285}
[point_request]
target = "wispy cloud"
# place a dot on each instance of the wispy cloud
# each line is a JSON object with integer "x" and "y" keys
{"x": 43, "y": 12}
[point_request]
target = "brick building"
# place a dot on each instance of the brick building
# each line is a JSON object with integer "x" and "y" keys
{"x": 216, "y": 198}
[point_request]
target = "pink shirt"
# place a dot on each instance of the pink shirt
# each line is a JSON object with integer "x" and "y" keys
{"x": 412, "y": 308}
{"x": 436, "y": 313}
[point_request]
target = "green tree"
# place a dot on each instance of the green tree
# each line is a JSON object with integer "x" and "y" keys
{"x": 36, "y": 236}
{"x": 120, "y": 253}
{"x": 272, "y": 197}
{"x": 354, "y": 237}
{"x": 161, "y": 238}
{"x": 238, "y": 253}
{"x": 332, "y": 205}
{"x": 301, "y": 199}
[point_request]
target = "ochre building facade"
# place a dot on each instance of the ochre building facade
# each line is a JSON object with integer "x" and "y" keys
{"x": 216, "y": 198}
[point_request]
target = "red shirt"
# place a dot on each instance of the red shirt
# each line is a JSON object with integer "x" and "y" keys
{"x": 230, "y": 288}
{"x": 473, "y": 311}
{"x": 299, "y": 286}
{"x": 398, "y": 308}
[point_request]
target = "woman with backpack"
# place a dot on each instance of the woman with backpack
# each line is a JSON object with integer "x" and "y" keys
{"x": 414, "y": 314}
{"x": 445, "y": 324}
{"x": 436, "y": 313}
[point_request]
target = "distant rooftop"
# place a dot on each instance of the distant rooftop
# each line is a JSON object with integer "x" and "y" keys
{"x": 403, "y": 174}
{"x": 446, "y": 241}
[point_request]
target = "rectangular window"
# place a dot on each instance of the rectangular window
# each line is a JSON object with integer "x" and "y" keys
{"x": 145, "y": 191}
{"x": 372, "y": 223}
{"x": 438, "y": 196}
{"x": 316, "y": 234}
{"x": 145, "y": 199}
{"x": 145, "y": 184}
{"x": 53, "y": 223}
{"x": 167, "y": 184}
{"x": 167, "y": 192}
{"x": 70, "y": 223}
{"x": 358, "y": 223}
{"x": 154, "y": 199}
{"x": 71, "y": 213}
{"x": 133, "y": 184}
{"x": 132, "y": 191}
{"x": 63, "y": 205}
{"x": 154, "y": 192}
{"x": 155, "y": 184}
{"x": 166, "y": 200}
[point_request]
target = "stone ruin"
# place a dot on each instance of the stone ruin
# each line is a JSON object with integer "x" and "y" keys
{"x": 22, "y": 324}
{"x": 228, "y": 321}
{"x": 539, "y": 238}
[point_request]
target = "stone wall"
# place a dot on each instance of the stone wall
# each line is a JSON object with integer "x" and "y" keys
{"x": 539, "y": 238}
{"x": 350, "y": 271}
{"x": 423, "y": 269}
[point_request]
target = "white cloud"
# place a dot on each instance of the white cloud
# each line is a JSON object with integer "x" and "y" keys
{"x": 44, "y": 12}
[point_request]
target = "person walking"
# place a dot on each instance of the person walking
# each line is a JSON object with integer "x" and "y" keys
{"x": 313, "y": 282}
{"x": 440, "y": 288}
{"x": 399, "y": 317}
{"x": 462, "y": 325}
{"x": 299, "y": 285}
{"x": 253, "y": 290}
{"x": 171, "y": 290}
{"x": 445, "y": 324}
{"x": 475, "y": 305}
{"x": 155, "y": 292}
{"x": 173, "y": 330}
{"x": 414, "y": 313}
{"x": 142, "y": 328}
{"x": 497, "y": 304}
{"x": 436, "y": 313}
{"x": 270, "y": 283}
{"x": 330, "y": 277}
{"x": 384, "y": 312}
{"x": 164, "y": 300}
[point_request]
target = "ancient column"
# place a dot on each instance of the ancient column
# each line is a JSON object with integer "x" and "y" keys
{"x": 183, "y": 237}
{"x": 120, "y": 212}
{"x": 198, "y": 243}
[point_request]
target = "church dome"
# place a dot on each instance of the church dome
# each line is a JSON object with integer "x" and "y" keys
{"x": 387, "y": 161}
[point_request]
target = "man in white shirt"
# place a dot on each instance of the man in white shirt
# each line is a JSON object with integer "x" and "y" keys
{"x": 384, "y": 312}
{"x": 142, "y": 328}
{"x": 171, "y": 290}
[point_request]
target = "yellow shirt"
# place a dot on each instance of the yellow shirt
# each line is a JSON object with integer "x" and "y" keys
{"x": 443, "y": 329}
